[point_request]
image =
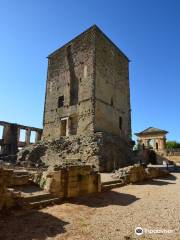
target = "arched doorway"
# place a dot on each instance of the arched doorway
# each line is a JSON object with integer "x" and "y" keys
{"x": 152, "y": 158}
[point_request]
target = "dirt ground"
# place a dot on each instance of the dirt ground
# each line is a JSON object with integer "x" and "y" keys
{"x": 154, "y": 205}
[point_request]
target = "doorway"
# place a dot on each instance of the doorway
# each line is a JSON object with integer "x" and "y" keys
{"x": 64, "y": 127}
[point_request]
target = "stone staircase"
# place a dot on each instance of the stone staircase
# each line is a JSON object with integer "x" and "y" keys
{"x": 105, "y": 186}
{"x": 32, "y": 195}
{"x": 39, "y": 200}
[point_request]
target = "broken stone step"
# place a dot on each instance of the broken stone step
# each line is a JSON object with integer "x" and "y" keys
{"x": 44, "y": 203}
{"x": 38, "y": 197}
{"x": 111, "y": 186}
{"x": 112, "y": 182}
{"x": 21, "y": 176}
{"x": 20, "y": 173}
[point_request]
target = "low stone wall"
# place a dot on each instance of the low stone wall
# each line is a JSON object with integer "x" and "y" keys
{"x": 7, "y": 198}
{"x": 175, "y": 159}
{"x": 138, "y": 173}
{"x": 144, "y": 156}
{"x": 71, "y": 181}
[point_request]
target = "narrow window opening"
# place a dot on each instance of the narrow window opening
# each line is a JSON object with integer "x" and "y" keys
{"x": 112, "y": 102}
{"x": 60, "y": 101}
{"x": 156, "y": 146}
{"x": 120, "y": 123}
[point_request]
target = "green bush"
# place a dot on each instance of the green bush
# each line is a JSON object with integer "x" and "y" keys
{"x": 172, "y": 144}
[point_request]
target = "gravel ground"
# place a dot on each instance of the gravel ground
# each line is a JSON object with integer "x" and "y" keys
{"x": 109, "y": 215}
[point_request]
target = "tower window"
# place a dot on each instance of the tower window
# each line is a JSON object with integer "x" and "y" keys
{"x": 60, "y": 101}
{"x": 112, "y": 102}
{"x": 120, "y": 122}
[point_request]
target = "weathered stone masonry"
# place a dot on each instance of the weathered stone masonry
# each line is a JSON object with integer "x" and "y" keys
{"x": 88, "y": 92}
{"x": 87, "y": 115}
{"x": 87, "y": 88}
{"x": 10, "y": 141}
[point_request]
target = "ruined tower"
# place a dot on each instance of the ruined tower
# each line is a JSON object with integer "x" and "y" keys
{"x": 87, "y": 93}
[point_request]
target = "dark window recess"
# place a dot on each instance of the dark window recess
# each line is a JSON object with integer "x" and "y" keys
{"x": 60, "y": 101}
{"x": 120, "y": 122}
{"x": 112, "y": 102}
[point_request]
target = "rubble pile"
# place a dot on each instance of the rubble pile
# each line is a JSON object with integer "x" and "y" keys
{"x": 93, "y": 149}
{"x": 71, "y": 150}
{"x": 138, "y": 173}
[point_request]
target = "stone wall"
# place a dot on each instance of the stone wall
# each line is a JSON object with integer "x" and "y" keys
{"x": 103, "y": 151}
{"x": 11, "y": 139}
{"x": 138, "y": 173}
{"x": 7, "y": 198}
{"x": 112, "y": 91}
{"x": 70, "y": 76}
{"x": 87, "y": 115}
{"x": 95, "y": 73}
{"x": 69, "y": 182}
{"x": 175, "y": 159}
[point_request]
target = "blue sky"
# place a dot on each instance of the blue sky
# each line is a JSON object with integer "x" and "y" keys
{"x": 148, "y": 32}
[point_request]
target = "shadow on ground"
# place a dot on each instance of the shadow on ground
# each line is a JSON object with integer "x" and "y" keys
{"x": 169, "y": 177}
{"x": 156, "y": 182}
{"x": 105, "y": 199}
{"x": 159, "y": 181}
{"x": 30, "y": 225}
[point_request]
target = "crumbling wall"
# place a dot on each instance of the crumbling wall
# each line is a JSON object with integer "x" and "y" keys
{"x": 71, "y": 150}
{"x": 103, "y": 151}
{"x": 11, "y": 141}
{"x": 71, "y": 181}
{"x": 7, "y": 197}
{"x": 138, "y": 173}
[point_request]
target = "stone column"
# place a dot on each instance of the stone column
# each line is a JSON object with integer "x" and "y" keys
{"x": 18, "y": 135}
{"x": 28, "y": 135}
{"x": 68, "y": 126}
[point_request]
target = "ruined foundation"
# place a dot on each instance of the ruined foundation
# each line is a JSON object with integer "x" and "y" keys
{"x": 104, "y": 151}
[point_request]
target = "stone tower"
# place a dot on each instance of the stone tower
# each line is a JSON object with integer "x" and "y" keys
{"x": 88, "y": 93}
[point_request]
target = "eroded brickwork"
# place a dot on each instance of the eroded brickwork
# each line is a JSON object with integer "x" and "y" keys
{"x": 112, "y": 102}
{"x": 87, "y": 88}
{"x": 87, "y": 93}
{"x": 69, "y": 93}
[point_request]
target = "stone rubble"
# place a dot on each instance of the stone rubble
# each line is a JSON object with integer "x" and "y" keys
{"x": 92, "y": 149}
{"x": 138, "y": 173}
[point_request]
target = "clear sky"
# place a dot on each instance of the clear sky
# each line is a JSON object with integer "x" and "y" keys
{"x": 148, "y": 32}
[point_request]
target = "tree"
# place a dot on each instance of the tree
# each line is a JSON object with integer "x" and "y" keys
{"x": 172, "y": 144}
